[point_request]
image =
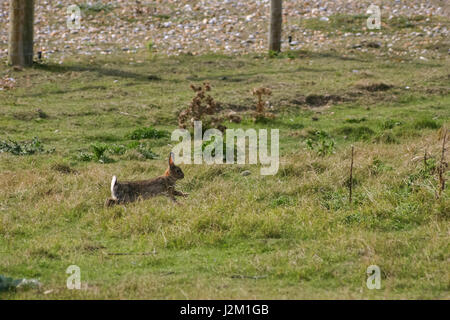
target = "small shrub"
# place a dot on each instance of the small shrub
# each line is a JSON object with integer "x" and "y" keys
{"x": 117, "y": 149}
{"x": 99, "y": 150}
{"x": 322, "y": 143}
{"x": 84, "y": 156}
{"x": 22, "y": 148}
{"x": 260, "y": 92}
{"x": 202, "y": 108}
{"x": 99, "y": 153}
{"x": 146, "y": 152}
{"x": 133, "y": 145}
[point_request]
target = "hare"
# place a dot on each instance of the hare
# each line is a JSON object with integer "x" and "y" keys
{"x": 129, "y": 191}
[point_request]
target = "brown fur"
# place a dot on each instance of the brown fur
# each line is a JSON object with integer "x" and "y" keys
{"x": 129, "y": 191}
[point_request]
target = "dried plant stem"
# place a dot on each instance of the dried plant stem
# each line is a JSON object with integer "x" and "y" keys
{"x": 259, "y": 93}
{"x": 201, "y": 106}
{"x": 260, "y": 106}
{"x": 442, "y": 166}
{"x": 425, "y": 160}
{"x": 351, "y": 178}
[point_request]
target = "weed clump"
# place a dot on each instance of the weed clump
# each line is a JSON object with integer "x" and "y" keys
{"x": 117, "y": 149}
{"x": 22, "y": 148}
{"x": 146, "y": 152}
{"x": 260, "y": 113}
{"x": 260, "y": 92}
{"x": 202, "y": 108}
{"x": 99, "y": 153}
{"x": 321, "y": 143}
{"x": 133, "y": 151}
{"x": 148, "y": 133}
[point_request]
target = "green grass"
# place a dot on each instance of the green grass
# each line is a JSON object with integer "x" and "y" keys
{"x": 95, "y": 7}
{"x": 293, "y": 235}
{"x": 357, "y": 23}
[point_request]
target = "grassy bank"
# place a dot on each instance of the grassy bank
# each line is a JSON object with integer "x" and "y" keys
{"x": 292, "y": 235}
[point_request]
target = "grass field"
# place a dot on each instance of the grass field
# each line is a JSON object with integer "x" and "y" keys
{"x": 292, "y": 235}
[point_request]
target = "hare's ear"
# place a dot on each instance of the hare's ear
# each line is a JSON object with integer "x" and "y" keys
{"x": 171, "y": 159}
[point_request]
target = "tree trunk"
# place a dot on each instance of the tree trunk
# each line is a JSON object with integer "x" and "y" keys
{"x": 276, "y": 19}
{"x": 20, "y": 44}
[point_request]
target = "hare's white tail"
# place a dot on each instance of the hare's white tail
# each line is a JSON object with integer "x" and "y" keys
{"x": 113, "y": 183}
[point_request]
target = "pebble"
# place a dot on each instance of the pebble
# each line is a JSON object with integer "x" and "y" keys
{"x": 231, "y": 26}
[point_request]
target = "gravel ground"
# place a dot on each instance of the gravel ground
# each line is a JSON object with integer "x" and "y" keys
{"x": 235, "y": 27}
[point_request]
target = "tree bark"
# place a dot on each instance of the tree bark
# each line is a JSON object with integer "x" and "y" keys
{"x": 276, "y": 19}
{"x": 20, "y": 43}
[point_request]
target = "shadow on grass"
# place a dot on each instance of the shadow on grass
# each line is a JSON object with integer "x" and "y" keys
{"x": 327, "y": 55}
{"x": 102, "y": 71}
